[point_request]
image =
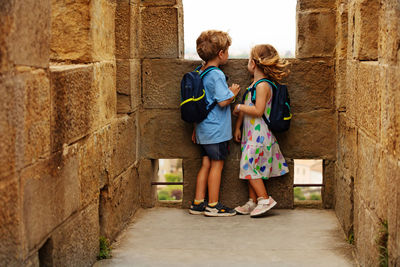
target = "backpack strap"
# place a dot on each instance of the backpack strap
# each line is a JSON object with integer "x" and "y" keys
{"x": 202, "y": 75}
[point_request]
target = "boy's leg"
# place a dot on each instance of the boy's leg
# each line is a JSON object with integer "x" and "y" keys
{"x": 214, "y": 180}
{"x": 202, "y": 177}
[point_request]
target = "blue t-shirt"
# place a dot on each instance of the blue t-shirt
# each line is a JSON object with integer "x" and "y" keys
{"x": 217, "y": 127}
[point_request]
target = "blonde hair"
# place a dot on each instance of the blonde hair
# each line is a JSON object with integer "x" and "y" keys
{"x": 209, "y": 43}
{"x": 267, "y": 59}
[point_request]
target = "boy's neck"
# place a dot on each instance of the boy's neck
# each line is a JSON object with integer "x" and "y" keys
{"x": 212, "y": 63}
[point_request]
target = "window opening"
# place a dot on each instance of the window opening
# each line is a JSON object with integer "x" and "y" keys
{"x": 308, "y": 179}
{"x": 248, "y": 23}
{"x": 170, "y": 180}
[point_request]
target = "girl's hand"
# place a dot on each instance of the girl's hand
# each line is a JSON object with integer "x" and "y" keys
{"x": 236, "y": 110}
{"x": 194, "y": 135}
{"x": 237, "y": 136}
{"x": 235, "y": 88}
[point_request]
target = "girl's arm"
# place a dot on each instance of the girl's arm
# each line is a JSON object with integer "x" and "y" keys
{"x": 238, "y": 133}
{"x": 262, "y": 96}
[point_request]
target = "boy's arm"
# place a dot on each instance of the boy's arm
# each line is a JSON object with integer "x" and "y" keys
{"x": 235, "y": 89}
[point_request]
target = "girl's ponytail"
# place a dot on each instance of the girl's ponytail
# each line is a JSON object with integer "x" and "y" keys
{"x": 268, "y": 60}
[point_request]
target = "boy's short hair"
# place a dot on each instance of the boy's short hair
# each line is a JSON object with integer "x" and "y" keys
{"x": 209, "y": 43}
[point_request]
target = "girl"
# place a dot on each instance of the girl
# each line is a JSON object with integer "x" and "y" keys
{"x": 261, "y": 156}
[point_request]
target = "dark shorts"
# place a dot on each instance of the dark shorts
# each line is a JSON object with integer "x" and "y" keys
{"x": 217, "y": 151}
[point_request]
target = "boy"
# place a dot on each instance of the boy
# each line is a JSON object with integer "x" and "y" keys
{"x": 213, "y": 133}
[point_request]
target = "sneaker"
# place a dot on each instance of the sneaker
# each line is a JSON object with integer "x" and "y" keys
{"x": 246, "y": 208}
{"x": 198, "y": 209}
{"x": 219, "y": 210}
{"x": 263, "y": 206}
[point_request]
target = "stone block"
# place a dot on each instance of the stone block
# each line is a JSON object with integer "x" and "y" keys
{"x": 23, "y": 42}
{"x": 165, "y": 135}
{"x": 123, "y": 138}
{"x": 94, "y": 154}
{"x": 366, "y": 232}
{"x": 328, "y": 191}
{"x": 134, "y": 30}
{"x": 159, "y": 36}
{"x": 161, "y": 2}
{"x": 118, "y": 202}
{"x": 368, "y": 98}
{"x": 344, "y": 190}
{"x": 366, "y": 22}
{"x": 122, "y": 29}
{"x": 347, "y": 146}
{"x": 389, "y": 32}
{"x": 234, "y": 191}
{"x": 311, "y": 85}
{"x": 148, "y": 172}
{"x": 79, "y": 236}
{"x": 128, "y": 85}
{"x": 342, "y": 93}
{"x": 104, "y": 85}
{"x": 390, "y": 116}
{"x": 312, "y": 135}
{"x": 342, "y": 30}
{"x": 82, "y": 31}
{"x": 315, "y": 34}
{"x": 351, "y": 88}
{"x": 73, "y": 101}
{"x": 10, "y": 221}
{"x": 24, "y": 118}
{"x": 50, "y": 194}
{"x": 304, "y": 5}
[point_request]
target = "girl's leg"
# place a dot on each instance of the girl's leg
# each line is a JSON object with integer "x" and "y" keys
{"x": 214, "y": 180}
{"x": 259, "y": 187}
{"x": 252, "y": 193}
{"x": 202, "y": 178}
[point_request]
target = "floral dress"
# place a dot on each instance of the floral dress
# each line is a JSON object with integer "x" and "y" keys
{"x": 261, "y": 156}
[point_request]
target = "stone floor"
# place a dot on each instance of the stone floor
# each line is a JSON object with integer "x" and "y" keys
{"x": 173, "y": 237}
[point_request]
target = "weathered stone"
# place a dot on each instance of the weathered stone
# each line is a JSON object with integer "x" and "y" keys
{"x": 128, "y": 85}
{"x": 342, "y": 93}
{"x": 79, "y": 236}
{"x": 148, "y": 172}
{"x": 303, "y": 5}
{"x": 315, "y": 34}
{"x": 118, "y": 202}
{"x": 328, "y": 191}
{"x": 368, "y": 98}
{"x": 104, "y": 85}
{"x": 311, "y": 135}
{"x": 122, "y": 29}
{"x": 73, "y": 99}
{"x": 134, "y": 30}
{"x": 165, "y": 135}
{"x": 123, "y": 144}
{"x": 366, "y": 28}
{"x": 366, "y": 232}
{"x": 342, "y": 30}
{"x": 24, "y": 42}
{"x": 95, "y": 153}
{"x": 390, "y": 120}
{"x": 344, "y": 190}
{"x": 311, "y": 85}
{"x": 352, "y": 85}
{"x": 389, "y": 32}
{"x": 347, "y": 159}
{"x": 10, "y": 221}
{"x": 50, "y": 194}
{"x": 159, "y": 36}
{"x": 161, "y": 2}
{"x": 24, "y": 118}
{"x": 82, "y": 30}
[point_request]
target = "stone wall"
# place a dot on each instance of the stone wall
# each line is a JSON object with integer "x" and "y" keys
{"x": 368, "y": 115}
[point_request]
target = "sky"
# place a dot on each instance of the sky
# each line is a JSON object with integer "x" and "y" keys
{"x": 248, "y": 22}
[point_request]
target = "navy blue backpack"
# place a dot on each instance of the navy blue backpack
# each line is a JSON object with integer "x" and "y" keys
{"x": 193, "y": 96}
{"x": 280, "y": 116}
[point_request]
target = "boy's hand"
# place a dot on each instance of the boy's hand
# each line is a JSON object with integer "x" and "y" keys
{"x": 237, "y": 135}
{"x": 235, "y": 88}
{"x": 194, "y": 135}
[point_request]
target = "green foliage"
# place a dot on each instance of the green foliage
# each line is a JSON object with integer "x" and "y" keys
{"x": 382, "y": 242}
{"x": 350, "y": 238}
{"x": 170, "y": 192}
{"x": 298, "y": 194}
{"x": 173, "y": 177}
{"x": 105, "y": 249}
{"x": 315, "y": 197}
